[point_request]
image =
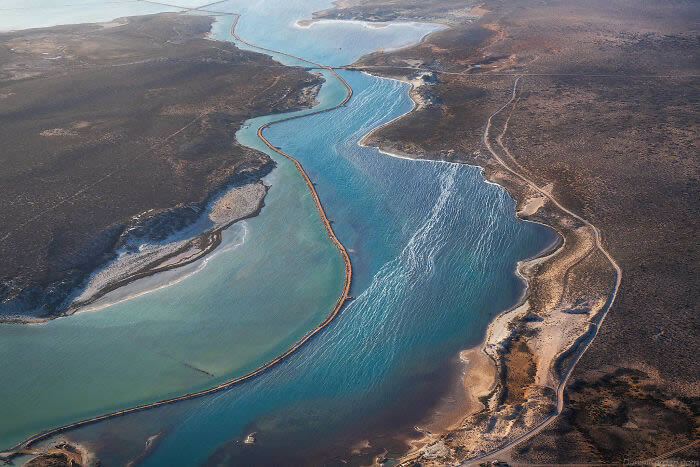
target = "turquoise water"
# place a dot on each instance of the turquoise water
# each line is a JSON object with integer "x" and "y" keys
{"x": 272, "y": 24}
{"x": 25, "y": 14}
{"x": 240, "y": 310}
{"x": 433, "y": 250}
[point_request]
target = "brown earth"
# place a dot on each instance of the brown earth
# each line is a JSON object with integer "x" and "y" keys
{"x": 521, "y": 374}
{"x": 605, "y": 119}
{"x": 124, "y": 126}
{"x": 60, "y": 455}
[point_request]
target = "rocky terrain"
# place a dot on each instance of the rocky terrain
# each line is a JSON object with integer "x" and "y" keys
{"x": 120, "y": 134}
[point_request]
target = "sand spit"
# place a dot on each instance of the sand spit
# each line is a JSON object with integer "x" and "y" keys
{"x": 308, "y": 23}
{"x": 180, "y": 248}
{"x": 60, "y": 452}
{"x": 344, "y": 296}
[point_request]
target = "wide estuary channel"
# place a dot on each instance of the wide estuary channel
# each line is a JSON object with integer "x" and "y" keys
{"x": 433, "y": 249}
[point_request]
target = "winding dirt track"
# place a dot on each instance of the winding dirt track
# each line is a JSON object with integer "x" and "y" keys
{"x": 25, "y": 444}
{"x": 598, "y": 245}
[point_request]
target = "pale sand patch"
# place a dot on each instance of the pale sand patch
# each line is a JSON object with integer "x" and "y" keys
{"x": 416, "y": 83}
{"x": 58, "y": 132}
{"x": 236, "y": 203}
{"x": 307, "y": 23}
{"x": 177, "y": 250}
{"x": 81, "y": 124}
{"x": 479, "y": 377}
{"x": 558, "y": 333}
{"x": 479, "y": 11}
{"x": 499, "y": 329}
{"x": 111, "y": 24}
{"x": 532, "y": 205}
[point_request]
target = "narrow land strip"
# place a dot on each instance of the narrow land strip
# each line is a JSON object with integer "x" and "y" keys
{"x": 25, "y": 444}
{"x": 598, "y": 244}
{"x": 348, "y": 272}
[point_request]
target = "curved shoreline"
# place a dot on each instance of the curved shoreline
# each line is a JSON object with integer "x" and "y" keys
{"x": 475, "y": 393}
{"x": 587, "y": 335}
{"x": 26, "y": 443}
{"x": 603, "y": 313}
{"x": 211, "y": 239}
{"x": 348, "y": 268}
{"x": 578, "y": 348}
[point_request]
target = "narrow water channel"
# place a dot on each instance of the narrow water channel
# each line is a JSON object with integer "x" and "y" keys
{"x": 433, "y": 249}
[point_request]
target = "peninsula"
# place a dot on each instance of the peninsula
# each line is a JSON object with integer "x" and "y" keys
{"x": 120, "y": 157}
{"x": 480, "y": 330}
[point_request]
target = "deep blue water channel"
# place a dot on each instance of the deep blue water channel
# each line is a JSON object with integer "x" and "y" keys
{"x": 433, "y": 248}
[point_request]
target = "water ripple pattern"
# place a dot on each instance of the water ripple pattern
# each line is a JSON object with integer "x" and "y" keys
{"x": 433, "y": 250}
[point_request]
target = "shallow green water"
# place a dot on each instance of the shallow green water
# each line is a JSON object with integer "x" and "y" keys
{"x": 275, "y": 277}
{"x": 433, "y": 250}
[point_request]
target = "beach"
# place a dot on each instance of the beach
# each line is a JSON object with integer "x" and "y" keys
{"x": 427, "y": 253}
